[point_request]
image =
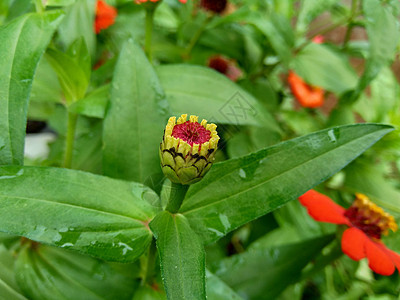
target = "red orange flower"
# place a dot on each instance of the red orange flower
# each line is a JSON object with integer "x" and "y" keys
{"x": 225, "y": 66}
{"x": 367, "y": 223}
{"x": 105, "y": 16}
{"x": 307, "y": 95}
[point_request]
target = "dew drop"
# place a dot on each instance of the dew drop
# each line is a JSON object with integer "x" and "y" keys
{"x": 10, "y": 176}
{"x": 332, "y": 136}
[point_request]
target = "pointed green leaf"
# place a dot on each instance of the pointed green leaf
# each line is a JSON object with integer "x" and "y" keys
{"x": 182, "y": 257}
{"x": 23, "y": 42}
{"x": 265, "y": 273}
{"x": 93, "y": 214}
{"x": 47, "y": 273}
{"x": 73, "y": 79}
{"x": 135, "y": 120}
{"x": 240, "y": 190}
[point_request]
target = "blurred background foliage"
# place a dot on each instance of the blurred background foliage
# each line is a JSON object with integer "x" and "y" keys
{"x": 348, "y": 49}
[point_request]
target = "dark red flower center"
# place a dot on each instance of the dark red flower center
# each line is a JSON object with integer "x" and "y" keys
{"x": 191, "y": 133}
{"x": 370, "y": 218}
{"x": 217, "y": 6}
{"x": 218, "y": 64}
{"x": 364, "y": 222}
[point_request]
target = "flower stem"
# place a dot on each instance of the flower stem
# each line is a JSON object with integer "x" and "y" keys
{"x": 195, "y": 38}
{"x": 354, "y": 6}
{"x": 328, "y": 29}
{"x": 39, "y": 6}
{"x": 176, "y": 196}
{"x": 149, "y": 32}
{"x": 69, "y": 143}
{"x": 149, "y": 264}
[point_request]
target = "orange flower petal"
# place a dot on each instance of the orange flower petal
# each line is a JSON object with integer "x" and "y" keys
{"x": 321, "y": 208}
{"x": 308, "y": 96}
{"x": 353, "y": 241}
{"x": 395, "y": 257}
{"x": 378, "y": 259}
{"x": 105, "y": 16}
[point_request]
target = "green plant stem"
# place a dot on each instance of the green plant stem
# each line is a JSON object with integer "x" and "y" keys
{"x": 69, "y": 143}
{"x": 196, "y": 38}
{"x": 354, "y": 6}
{"x": 39, "y": 6}
{"x": 326, "y": 30}
{"x": 149, "y": 264}
{"x": 149, "y": 32}
{"x": 176, "y": 196}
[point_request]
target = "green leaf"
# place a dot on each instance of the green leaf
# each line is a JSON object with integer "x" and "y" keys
{"x": 79, "y": 52}
{"x": 72, "y": 76}
{"x": 8, "y": 287}
{"x": 47, "y": 273}
{"x": 135, "y": 120}
{"x": 94, "y": 104}
{"x": 265, "y": 273}
{"x": 239, "y": 190}
{"x": 45, "y": 86}
{"x": 181, "y": 255}
{"x": 206, "y": 93}
{"x": 321, "y": 66}
{"x": 279, "y": 32}
{"x": 77, "y": 23}
{"x": 219, "y": 290}
{"x": 23, "y": 42}
{"x": 383, "y": 34}
{"x": 96, "y": 215}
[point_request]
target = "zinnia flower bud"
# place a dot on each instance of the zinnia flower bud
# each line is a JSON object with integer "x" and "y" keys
{"x": 225, "y": 66}
{"x": 188, "y": 149}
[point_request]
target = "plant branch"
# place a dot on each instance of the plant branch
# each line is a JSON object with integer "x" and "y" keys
{"x": 69, "y": 143}
{"x": 149, "y": 264}
{"x": 354, "y": 6}
{"x": 196, "y": 37}
{"x": 176, "y": 196}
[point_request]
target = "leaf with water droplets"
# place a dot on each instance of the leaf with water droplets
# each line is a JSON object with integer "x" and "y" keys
{"x": 240, "y": 190}
{"x": 97, "y": 215}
